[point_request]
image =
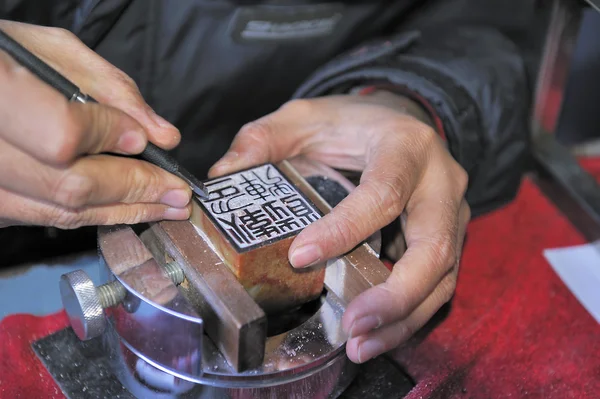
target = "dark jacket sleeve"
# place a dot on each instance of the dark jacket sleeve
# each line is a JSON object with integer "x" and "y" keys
{"x": 46, "y": 13}
{"x": 474, "y": 79}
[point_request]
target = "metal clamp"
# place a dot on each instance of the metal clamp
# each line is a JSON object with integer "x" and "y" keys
{"x": 85, "y": 303}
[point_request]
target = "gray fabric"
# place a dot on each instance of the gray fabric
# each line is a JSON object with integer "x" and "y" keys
{"x": 82, "y": 12}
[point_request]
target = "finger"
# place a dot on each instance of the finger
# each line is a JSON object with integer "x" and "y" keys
{"x": 37, "y": 119}
{"x": 129, "y": 100}
{"x": 95, "y": 76}
{"x": 275, "y": 137}
{"x": 27, "y": 211}
{"x": 386, "y": 184}
{"x": 125, "y": 96}
{"x": 365, "y": 347}
{"x": 432, "y": 229}
{"x": 91, "y": 180}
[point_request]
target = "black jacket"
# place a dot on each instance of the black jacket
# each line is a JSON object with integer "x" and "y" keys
{"x": 209, "y": 66}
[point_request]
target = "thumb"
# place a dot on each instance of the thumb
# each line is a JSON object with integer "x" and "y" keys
{"x": 272, "y": 138}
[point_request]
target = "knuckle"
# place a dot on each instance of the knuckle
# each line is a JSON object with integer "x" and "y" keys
{"x": 465, "y": 212}
{"x": 462, "y": 179}
{"x": 427, "y": 136}
{"x": 127, "y": 82}
{"x": 258, "y": 131}
{"x": 142, "y": 182}
{"x": 257, "y": 135}
{"x": 390, "y": 196}
{"x": 140, "y": 214}
{"x": 445, "y": 251}
{"x": 299, "y": 106}
{"x": 422, "y": 142}
{"x": 399, "y": 298}
{"x": 65, "y": 219}
{"x": 72, "y": 190}
{"x": 7, "y": 68}
{"x": 133, "y": 214}
{"x": 58, "y": 33}
{"x": 447, "y": 288}
{"x": 406, "y": 330}
{"x": 346, "y": 228}
{"x": 67, "y": 135}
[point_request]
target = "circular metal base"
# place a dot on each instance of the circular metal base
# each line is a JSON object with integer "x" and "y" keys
{"x": 144, "y": 380}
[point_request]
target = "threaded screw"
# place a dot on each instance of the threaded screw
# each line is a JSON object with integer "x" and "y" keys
{"x": 113, "y": 293}
{"x": 84, "y": 303}
{"x": 174, "y": 272}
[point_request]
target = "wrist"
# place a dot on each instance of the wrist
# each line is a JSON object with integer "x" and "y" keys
{"x": 403, "y": 104}
{"x": 404, "y": 101}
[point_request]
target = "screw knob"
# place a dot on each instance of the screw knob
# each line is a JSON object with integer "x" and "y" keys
{"x": 82, "y": 304}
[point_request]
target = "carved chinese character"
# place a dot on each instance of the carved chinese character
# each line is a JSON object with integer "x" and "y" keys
{"x": 300, "y": 209}
{"x": 237, "y": 232}
{"x": 256, "y": 221}
{"x": 224, "y": 196}
{"x": 276, "y": 210}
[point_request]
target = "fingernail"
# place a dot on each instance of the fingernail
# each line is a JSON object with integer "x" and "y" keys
{"x": 369, "y": 349}
{"x": 176, "y": 198}
{"x": 159, "y": 120}
{"x": 364, "y": 325}
{"x": 305, "y": 256}
{"x": 176, "y": 213}
{"x": 132, "y": 142}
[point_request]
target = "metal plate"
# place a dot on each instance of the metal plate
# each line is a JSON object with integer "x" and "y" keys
{"x": 80, "y": 368}
{"x": 81, "y": 371}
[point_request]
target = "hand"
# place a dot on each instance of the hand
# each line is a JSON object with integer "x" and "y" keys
{"x": 51, "y": 172}
{"x": 406, "y": 170}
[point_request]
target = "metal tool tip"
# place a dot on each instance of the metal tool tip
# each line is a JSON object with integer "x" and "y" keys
{"x": 195, "y": 184}
{"x": 200, "y": 191}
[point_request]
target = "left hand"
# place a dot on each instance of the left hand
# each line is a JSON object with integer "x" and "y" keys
{"x": 406, "y": 170}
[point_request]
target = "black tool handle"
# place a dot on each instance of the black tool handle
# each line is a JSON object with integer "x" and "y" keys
{"x": 160, "y": 158}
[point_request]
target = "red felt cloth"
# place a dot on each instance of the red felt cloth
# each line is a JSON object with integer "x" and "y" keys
{"x": 514, "y": 330}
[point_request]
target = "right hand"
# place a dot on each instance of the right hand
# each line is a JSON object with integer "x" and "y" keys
{"x": 52, "y": 172}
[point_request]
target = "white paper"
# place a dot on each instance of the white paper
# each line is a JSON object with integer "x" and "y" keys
{"x": 579, "y": 268}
